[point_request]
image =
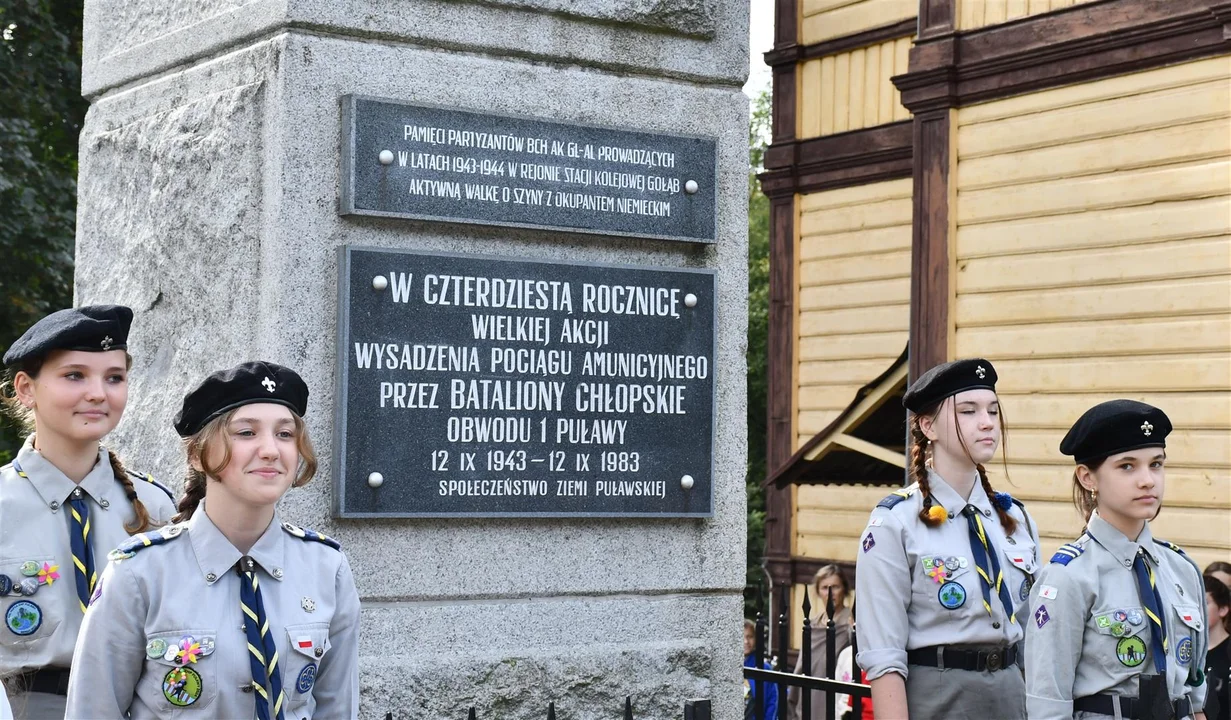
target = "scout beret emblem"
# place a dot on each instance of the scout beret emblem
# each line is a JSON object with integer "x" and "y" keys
{"x": 270, "y": 385}
{"x": 1146, "y": 428}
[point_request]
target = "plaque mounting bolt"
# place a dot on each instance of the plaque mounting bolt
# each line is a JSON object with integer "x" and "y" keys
{"x": 380, "y": 282}
{"x": 690, "y": 187}
{"x": 375, "y": 480}
{"x": 686, "y": 482}
{"x": 690, "y": 300}
{"x": 386, "y": 158}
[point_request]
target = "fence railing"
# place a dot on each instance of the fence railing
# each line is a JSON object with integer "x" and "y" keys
{"x": 805, "y": 681}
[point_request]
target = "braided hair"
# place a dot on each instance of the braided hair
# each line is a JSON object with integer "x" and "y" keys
{"x": 141, "y": 522}
{"x": 933, "y": 515}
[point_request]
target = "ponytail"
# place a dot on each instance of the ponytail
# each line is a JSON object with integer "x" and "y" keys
{"x": 141, "y": 522}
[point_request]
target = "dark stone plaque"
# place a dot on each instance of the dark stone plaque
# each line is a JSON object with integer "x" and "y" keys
{"x": 433, "y": 163}
{"x": 481, "y": 386}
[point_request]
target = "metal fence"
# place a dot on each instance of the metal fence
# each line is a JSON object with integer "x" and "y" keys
{"x": 805, "y": 682}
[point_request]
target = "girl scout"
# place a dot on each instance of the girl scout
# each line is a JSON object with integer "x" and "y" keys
{"x": 230, "y": 612}
{"x": 1117, "y": 605}
{"x": 65, "y": 500}
{"x": 946, "y": 564}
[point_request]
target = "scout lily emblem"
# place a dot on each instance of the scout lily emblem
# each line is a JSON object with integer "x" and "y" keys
{"x": 269, "y": 384}
{"x": 1146, "y": 428}
{"x": 106, "y": 342}
{"x": 981, "y": 372}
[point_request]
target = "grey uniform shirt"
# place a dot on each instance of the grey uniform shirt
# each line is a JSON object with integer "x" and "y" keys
{"x": 900, "y": 591}
{"x": 34, "y": 527}
{"x": 1088, "y": 634}
{"x": 188, "y": 587}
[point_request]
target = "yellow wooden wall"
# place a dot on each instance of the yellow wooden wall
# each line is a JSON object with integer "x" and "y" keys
{"x": 852, "y": 90}
{"x": 827, "y": 19}
{"x": 973, "y": 14}
{"x": 853, "y": 279}
{"x": 1093, "y": 261}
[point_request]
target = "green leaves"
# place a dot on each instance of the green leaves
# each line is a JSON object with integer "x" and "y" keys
{"x": 758, "y": 349}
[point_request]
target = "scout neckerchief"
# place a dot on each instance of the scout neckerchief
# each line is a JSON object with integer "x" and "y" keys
{"x": 78, "y": 540}
{"x": 1153, "y": 607}
{"x": 987, "y": 563}
{"x": 262, "y": 650}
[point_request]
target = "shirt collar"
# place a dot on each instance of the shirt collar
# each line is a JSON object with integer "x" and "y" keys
{"x": 54, "y": 487}
{"x": 217, "y": 556}
{"x": 953, "y": 502}
{"x": 1116, "y": 543}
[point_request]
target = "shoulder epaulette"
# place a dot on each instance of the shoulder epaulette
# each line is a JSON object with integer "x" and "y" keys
{"x": 897, "y": 496}
{"x": 139, "y": 542}
{"x": 150, "y": 479}
{"x": 1068, "y": 551}
{"x": 306, "y": 534}
{"x": 1172, "y": 546}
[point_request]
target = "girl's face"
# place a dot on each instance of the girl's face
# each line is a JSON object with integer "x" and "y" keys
{"x": 1129, "y": 484}
{"x": 264, "y": 455}
{"x": 1214, "y": 613}
{"x": 77, "y": 395}
{"x": 827, "y": 585}
{"x": 969, "y": 419}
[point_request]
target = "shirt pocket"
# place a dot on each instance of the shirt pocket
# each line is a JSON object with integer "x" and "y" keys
{"x": 944, "y": 582}
{"x": 1020, "y": 557}
{"x": 180, "y": 673}
{"x": 33, "y": 611}
{"x": 1186, "y": 635}
{"x": 309, "y": 644}
{"x": 1123, "y": 638}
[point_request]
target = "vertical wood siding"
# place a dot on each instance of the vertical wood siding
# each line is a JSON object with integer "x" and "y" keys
{"x": 852, "y": 90}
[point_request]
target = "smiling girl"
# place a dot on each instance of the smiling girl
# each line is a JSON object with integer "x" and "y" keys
{"x": 1117, "y": 605}
{"x": 65, "y": 500}
{"x": 946, "y": 563}
{"x": 230, "y": 611}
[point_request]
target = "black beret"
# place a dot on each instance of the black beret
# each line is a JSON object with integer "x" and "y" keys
{"x": 947, "y": 380}
{"x": 93, "y": 328}
{"x": 244, "y": 384}
{"x": 1115, "y": 426}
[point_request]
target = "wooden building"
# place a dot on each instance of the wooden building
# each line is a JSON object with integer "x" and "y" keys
{"x": 1045, "y": 183}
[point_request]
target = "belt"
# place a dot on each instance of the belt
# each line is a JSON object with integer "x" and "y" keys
{"x": 1130, "y": 707}
{"x": 947, "y": 657}
{"x": 53, "y": 681}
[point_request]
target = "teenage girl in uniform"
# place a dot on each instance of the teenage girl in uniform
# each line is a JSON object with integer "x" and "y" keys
{"x": 946, "y": 564}
{"x": 1117, "y": 605}
{"x": 65, "y": 500}
{"x": 229, "y": 613}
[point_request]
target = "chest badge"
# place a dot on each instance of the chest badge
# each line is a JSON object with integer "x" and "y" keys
{"x": 1184, "y": 652}
{"x": 307, "y": 677}
{"x": 182, "y": 686}
{"x": 308, "y": 604}
{"x": 952, "y": 595}
{"x": 23, "y": 617}
{"x": 1131, "y": 651}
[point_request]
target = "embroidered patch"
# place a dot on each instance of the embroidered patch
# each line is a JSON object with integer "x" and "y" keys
{"x": 1040, "y": 616}
{"x": 23, "y": 617}
{"x": 869, "y": 542}
{"x": 952, "y": 595}
{"x": 1024, "y": 592}
{"x": 181, "y": 686}
{"x": 307, "y": 677}
{"x": 1184, "y": 652}
{"x": 1047, "y": 592}
{"x": 1103, "y": 621}
{"x": 876, "y": 522}
{"x": 1131, "y": 651}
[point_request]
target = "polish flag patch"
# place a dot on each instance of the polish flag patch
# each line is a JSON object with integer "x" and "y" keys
{"x": 1187, "y": 618}
{"x": 1048, "y": 592}
{"x": 304, "y": 642}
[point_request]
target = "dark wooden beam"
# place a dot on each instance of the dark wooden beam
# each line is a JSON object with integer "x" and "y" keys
{"x": 930, "y": 262}
{"x": 780, "y": 367}
{"x": 857, "y": 157}
{"x": 792, "y": 54}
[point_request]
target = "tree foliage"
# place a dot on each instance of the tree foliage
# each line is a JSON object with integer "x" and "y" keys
{"x": 758, "y": 351}
{"x": 40, "y": 118}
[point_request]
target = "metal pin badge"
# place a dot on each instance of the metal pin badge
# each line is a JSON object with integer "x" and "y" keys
{"x": 386, "y": 157}
{"x": 308, "y": 604}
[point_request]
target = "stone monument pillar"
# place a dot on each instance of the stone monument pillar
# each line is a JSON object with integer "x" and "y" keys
{"x": 224, "y": 162}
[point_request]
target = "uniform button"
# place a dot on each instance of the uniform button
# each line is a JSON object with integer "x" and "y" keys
{"x": 1128, "y": 563}
{"x": 245, "y": 688}
{"x": 104, "y": 503}
{"x": 54, "y": 506}
{"x": 210, "y": 577}
{"x": 278, "y": 573}
{"x": 987, "y": 513}
{"x": 1012, "y": 541}
{"x": 996, "y": 625}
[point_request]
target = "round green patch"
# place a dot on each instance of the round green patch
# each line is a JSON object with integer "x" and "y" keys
{"x": 1131, "y": 651}
{"x": 181, "y": 686}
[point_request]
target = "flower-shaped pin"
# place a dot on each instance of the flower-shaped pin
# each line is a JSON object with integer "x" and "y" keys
{"x": 190, "y": 650}
{"x": 938, "y": 573}
{"x": 48, "y": 574}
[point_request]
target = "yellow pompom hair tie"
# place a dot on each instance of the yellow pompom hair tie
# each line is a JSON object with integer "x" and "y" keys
{"x": 937, "y": 513}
